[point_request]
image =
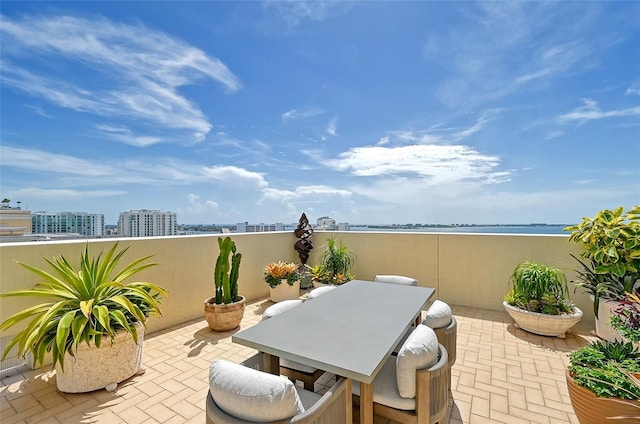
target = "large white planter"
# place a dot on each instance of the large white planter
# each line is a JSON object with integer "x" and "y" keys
{"x": 604, "y": 330}
{"x": 284, "y": 291}
{"x": 543, "y": 324}
{"x": 95, "y": 368}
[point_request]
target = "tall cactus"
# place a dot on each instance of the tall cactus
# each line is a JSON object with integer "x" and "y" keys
{"x": 226, "y": 278}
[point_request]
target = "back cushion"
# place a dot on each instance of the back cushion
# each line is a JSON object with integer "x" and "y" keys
{"x": 280, "y": 307}
{"x": 396, "y": 279}
{"x": 438, "y": 315}
{"x": 419, "y": 351}
{"x": 252, "y": 395}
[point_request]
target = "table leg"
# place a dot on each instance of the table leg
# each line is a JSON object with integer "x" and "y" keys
{"x": 349, "y": 411}
{"x": 366, "y": 403}
{"x": 271, "y": 363}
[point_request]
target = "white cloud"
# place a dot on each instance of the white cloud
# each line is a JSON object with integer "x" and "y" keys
{"x": 137, "y": 71}
{"x": 436, "y": 164}
{"x": 590, "y": 111}
{"x": 383, "y": 141}
{"x": 197, "y": 207}
{"x": 56, "y": 194}
{"x": 301, "y": 114}
{"x": 634, "y": 89}
{"x": 332, "y": 128}
{"x": 293, "y": 12}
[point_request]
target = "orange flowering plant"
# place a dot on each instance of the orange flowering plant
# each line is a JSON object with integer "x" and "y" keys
{"x": 275, "y": 272}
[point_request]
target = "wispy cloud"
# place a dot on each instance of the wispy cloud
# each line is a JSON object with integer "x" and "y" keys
{"x": 293, "y": 12}
{"x": 301, "y": 114}
{"x": 439, "y": 134}
{"x": 438, "y": 164}
{"x": 332, "y": 128}
{"x": 136, "y": 71}
{"x": 590, "y": 111}
{"x": 634, "y": 89}
{"x": 507, "y": 47}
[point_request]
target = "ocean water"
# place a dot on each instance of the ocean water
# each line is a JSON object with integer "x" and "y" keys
{"x": 495, "y": 229}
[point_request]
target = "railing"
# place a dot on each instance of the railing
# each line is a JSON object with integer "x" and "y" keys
{"x": 465, "y": 269}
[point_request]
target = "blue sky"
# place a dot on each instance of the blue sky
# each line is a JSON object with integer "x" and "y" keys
{"x": 370, "y": 112}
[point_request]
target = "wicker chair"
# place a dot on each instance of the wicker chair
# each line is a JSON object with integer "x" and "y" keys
{"x": 331, "y": 408}
{"x": 432, "y": 395}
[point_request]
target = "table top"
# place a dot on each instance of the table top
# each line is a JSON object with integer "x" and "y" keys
{"x": 349, "y": 331}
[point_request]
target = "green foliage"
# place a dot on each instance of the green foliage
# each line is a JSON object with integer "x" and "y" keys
{"x": 539, "y": 288}
{"x": 626, "y": 319}
{"x": 602, "y": 366}
{"x": 225, "y": 275}
{"x": 89, "y": 304}
{"x": 336, "y": 262}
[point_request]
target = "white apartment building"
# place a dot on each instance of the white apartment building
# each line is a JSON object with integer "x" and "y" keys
{"x": 83, "y": 223}
{"x": 326, "y": 223}
{"x": 147, "y": 223}
{"x": 245, "y": 227}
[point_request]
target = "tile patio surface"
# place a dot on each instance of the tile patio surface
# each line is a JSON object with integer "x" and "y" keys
{"x": 502, "y": 375}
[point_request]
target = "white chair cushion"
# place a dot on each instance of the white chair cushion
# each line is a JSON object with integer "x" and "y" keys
{"x": 438, "y": 315}
{"x": 419, "y": 351}
{"x": 385, "y": 388}
{"x": 279, "y": 308}
{"x": 396, "y": 279}
{"x": 252, "y": 395}
{"x": 319, "y": 291}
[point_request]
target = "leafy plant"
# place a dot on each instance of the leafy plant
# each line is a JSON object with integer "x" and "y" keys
{"x": 91, "y": 303}
{"x": 603, "y": 368}
{"x": 275, "y": 272}
{"x": 225, "y": 276}
{"x": 539, "y": 288}
{"x": 626, "y": 319}
{"x": 336, "y": 262}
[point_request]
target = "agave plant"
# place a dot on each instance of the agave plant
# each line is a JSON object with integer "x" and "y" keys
{"x": 91, "y": 303}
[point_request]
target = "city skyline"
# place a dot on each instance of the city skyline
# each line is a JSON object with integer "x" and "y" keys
{"x": 368, "y": 112}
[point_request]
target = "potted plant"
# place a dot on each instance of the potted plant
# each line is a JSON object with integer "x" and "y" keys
{"x": 601, "y": 383}
{"x": 538, "y": 300}
{"x": 335, "y": 265}
{"x": 283, "y": 280}
{"x": 611, "y": 265}
{"x": 93, "y": 328}
{"x": 626, "y": 319}
{"x": 225, "y": 310}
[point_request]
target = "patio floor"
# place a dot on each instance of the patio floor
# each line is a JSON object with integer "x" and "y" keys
{"x": 502, "y": 375}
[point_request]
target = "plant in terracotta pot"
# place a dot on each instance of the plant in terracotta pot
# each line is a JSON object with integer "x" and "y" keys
{"x": 92, "y": 326}
{"x": 283, "y": 279}
{"x": 225, "y": 310}
{"x": 601, "y": 383}
{"x": 611, "y": 261}
{"x": 538, "y": 300}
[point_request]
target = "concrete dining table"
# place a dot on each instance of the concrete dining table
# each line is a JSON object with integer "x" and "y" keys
{"x": 349, "y": 331}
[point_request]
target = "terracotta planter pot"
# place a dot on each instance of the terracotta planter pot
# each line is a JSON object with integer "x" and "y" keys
{"x": 104, "y": 367}
{"x": 591, "y": 409}
{"x": 223, "y": 317}
{"x": 284, "y": 291}
{"x": 543, "y": 324}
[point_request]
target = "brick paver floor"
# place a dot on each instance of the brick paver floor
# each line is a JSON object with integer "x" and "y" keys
{"x": 502, "y": 375}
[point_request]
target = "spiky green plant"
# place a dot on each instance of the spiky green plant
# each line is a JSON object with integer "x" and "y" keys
{"x": 539, "y": 288}
{"x": 225, "y": 275}
{"x": 337, "y": 260}
{"x": 91, "y": 303}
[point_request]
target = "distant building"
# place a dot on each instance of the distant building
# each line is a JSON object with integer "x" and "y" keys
{"x": 14, "y": 221}
{"x": 82, "y": 223}
{"x": 147, "y": 223}
{"x": 245, "y": 227}
{"x": 326, "y": 223}
{"x": 343, "y": 226}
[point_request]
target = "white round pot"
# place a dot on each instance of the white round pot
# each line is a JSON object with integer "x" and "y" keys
{"x": 543, "y": 324}
{"x": 284, "y": 291}
{"x": 95, "y": 368}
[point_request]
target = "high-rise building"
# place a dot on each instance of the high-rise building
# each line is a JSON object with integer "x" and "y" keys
{"x": 147, "y": 223}
{"x": 326, "y": 223}
{"x": 83, "y": 223}
{"x": 14, "y": 222}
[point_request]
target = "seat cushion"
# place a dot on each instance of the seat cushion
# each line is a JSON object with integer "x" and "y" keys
{"x": 279, "y": 308}
{"x": 319, "y": 291}
{"x": 385, "y": 388}
{"x": 297, "y": 366}
{"x": 438, "y": 315}
{"x": 396, "y": 279}
{"x": 252, "y": 395}
{"x": 419, "y": 351}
